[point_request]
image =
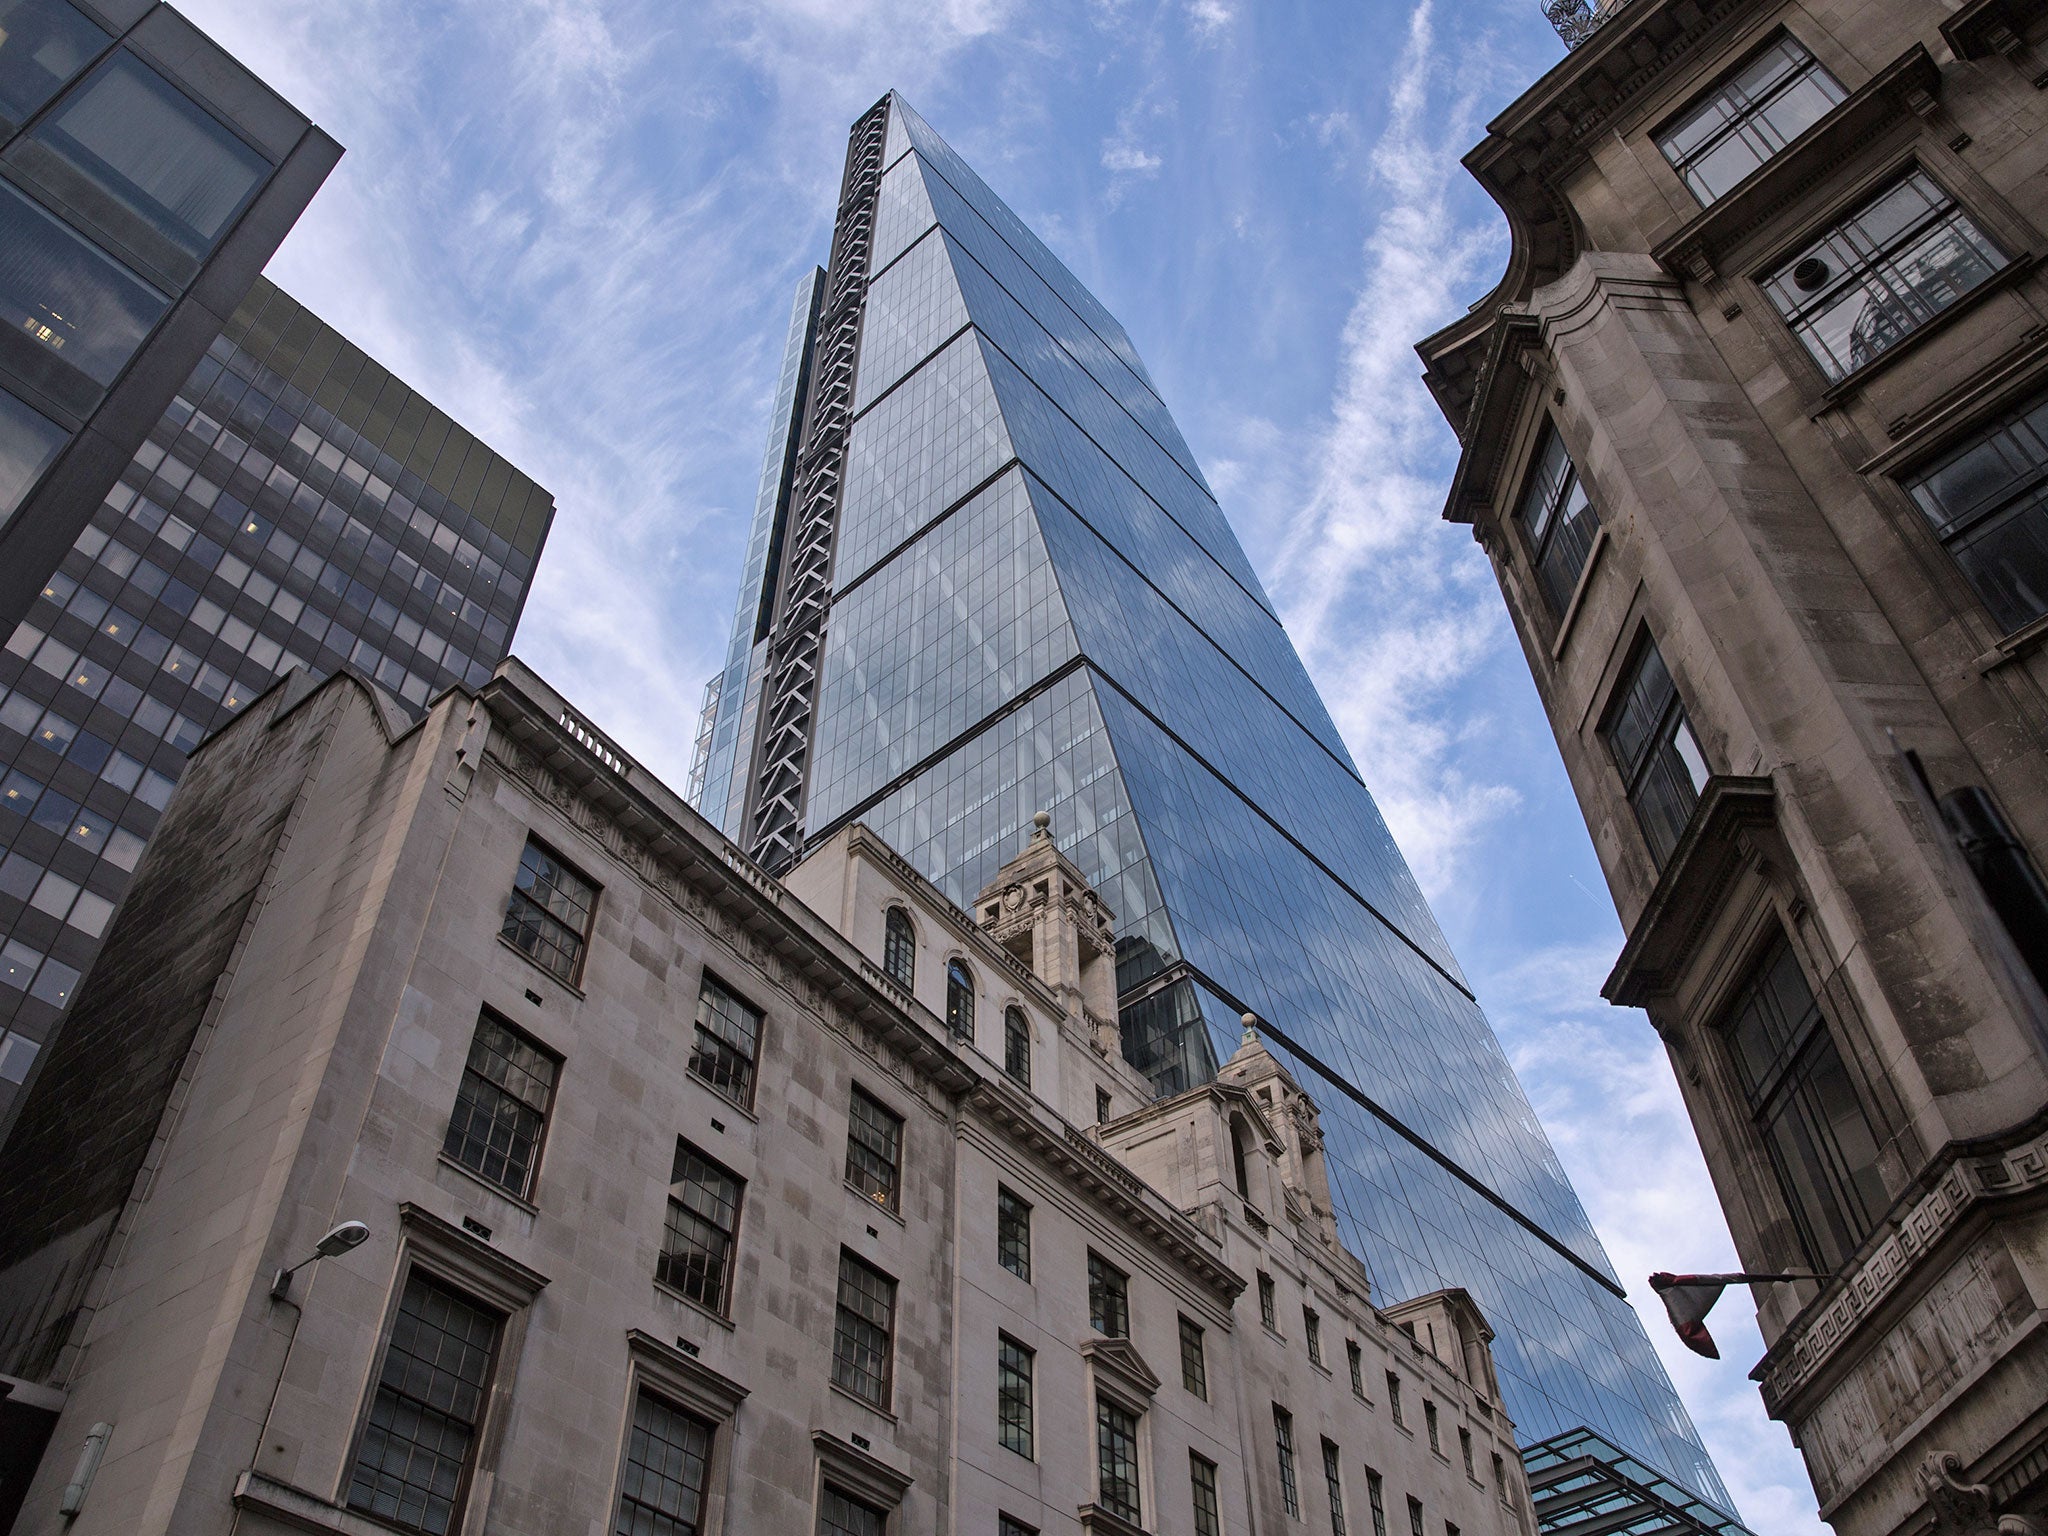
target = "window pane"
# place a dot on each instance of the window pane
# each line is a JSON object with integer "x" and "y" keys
{"x": 873, "y": 1141}
{"x": 1988, "y": 502}
{"x": 1109, "y": 1301}
{"x": 1283, "y": 1445}
{"x": 1116, "y": 1458}
{"x": 697, "y": 1240}
{"x": 74, "y": 317}
{"x": 899, "y": 948}
{"x": 863, "y": 1329}
{"x": 1016, "y": 1046}
{"x": 1013, "y": 1234}
{"x": 548, "y": 913}
{"x": 728, "y": 1034}
{"x": 1194, "y": 1365}
{"x": 662, "y": 1491}
{"x": 959, "y": 1001}
{"x": 839, "y": 1515}
{"x": 43, "y": 43}
{"x": 502, "y": 1106}
{"x": 1013, "y": 1396}
{"x": 29, "y": 440}
{"x": 1208, "y": 1516}
{"x": 1768, "y": 103}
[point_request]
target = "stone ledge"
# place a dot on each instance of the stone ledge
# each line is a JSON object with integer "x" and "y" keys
{"x": 301, "y": 1510}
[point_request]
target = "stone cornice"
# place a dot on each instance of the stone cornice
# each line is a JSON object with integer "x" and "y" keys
{"x": 1499, "y": 388}
{"x": 1985, "y": 27}
{"x": 1963, "y": 1178}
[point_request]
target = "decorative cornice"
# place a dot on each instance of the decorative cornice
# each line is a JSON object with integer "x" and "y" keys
{"x": 1986, "y": 27}
{"x": 1119, "y": 1360}
{"x": 859, "y": 1472}
{"x": 468, "y": 1260}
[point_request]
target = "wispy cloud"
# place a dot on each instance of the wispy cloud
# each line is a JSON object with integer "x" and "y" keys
{"x": 1121, "y": 156}
{"x": 1209, "y": 17}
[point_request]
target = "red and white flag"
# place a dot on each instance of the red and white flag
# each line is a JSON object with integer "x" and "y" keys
{"x": 1689, "y": 1298}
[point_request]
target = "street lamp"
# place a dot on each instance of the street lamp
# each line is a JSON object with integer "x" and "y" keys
{"x": 339, "y": 1240}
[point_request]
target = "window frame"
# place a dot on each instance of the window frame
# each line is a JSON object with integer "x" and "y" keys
{"x": 525, "y": 1192}
{"x": 1006, "y": 1399}
{"x": 657, "y": 1368}
{"x": 899, "y": 946}
{"x": 961, "y": 999}
{"x": 1376, "y": 1499}
{"x": 1540, "y": 545}
{"x": 1284, "y": 1458}
{"x": 1354, "y": 1361}
{"x": 1333, "y": 1479}
{"x": 1679, "y": 165}
{"x": 1111, "y": 1286}
{"x": 1209, "y": 1520}
{"x": 722, "y": 1307}
{"x": 1194, "y": 1358}
{"x": 888, "y": 1198}
{"x": 1008, "y": 1201}
{"x": 1108, "y": 1404}
{"x": 707, "y": 981}
{"x": 887, "y": 1391}
{"x": 1672, "y": 723}
{"x": 1312, "y": 1335}
{"x": 2008, "y": 505}
{"x": 1016, "y": 1046}
{"x": 574, "y": 978}
{"x": 642, "y": 1393}
{"x": 1269, "y": 1302}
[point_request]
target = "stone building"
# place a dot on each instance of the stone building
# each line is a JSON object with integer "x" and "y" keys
{"x": 1754, "y": 431}
{"x": 695, "y": 1200}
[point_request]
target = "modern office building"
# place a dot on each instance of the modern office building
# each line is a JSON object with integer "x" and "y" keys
{"x": 986, "y": 579}
{"x": 688, "y": 1200}
{"x": 145, "y": 178}
{"x": 296, "y": 506}
{"x": 1754, "y": 431}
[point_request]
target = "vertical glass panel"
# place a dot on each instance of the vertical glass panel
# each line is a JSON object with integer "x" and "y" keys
{"x": 73, "y": 318}
{"x": 28, "y": 441}
{"x": 43, "y": 43}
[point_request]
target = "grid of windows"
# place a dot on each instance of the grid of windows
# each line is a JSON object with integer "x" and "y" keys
{"x": 1880, "y": 274}
{"x": 1016, "y": 1047}
{"x": 1194, "y": 1364}
{"x": 874, "y": 1145}
{"x": 1333, "y": 1480}
{"x": 899, "y": 948}
{"x": 1109, "y": 1297}
{"x": 1805, "y": 1108}
{"x": 1558, "y": 520}
{"x": 726, "y": 1042}
{"x": 1766, "y": 104}
{"x": 841, "y": 1514}
{"x": 547, "y": 917}
{"x": 667, "y": 1456}
{"x": 1208, "y": 1508}
{"x": 415, "y": 1453}
{"x": 501, "y": 1110}
{"x": 1375, "y": 1495}
{"x": 863, "y": 1330}
{"x": 959, "y": 1001}
{"x": 1116, "y": 1459}
{"x": 1013, "y": 1233}
{"x": 1283, "y": 1448}
{"x": 1661, "y": 765}
{"x": 1014, "y": 1364}
{"x": 703, "y": 1220}
{"x": 1988, "y": 503}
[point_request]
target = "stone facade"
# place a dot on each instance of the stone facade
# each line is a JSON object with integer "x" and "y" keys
{"x": 1761, "y": 524}
{"x": 285, "y": 1030}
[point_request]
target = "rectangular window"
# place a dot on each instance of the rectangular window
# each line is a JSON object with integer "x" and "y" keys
{"x": 1283, "y": 1447}
{"x": 1375, "y": 1495}
{"x": 1500, "y": 1477}
{"x": 841, "y": 1514}
{"x": 1651, "y": 741}
{"x": 548, "y": 915}
{"x": 697, "y": 1243}
{"x": 501, "y": 1109}
{"x": 1355, "y": 1358}
{"x": 727, "y": 1043}
{"x": 1333, "y": 1480}
{"x": 1882, "y": 273}
{"x": 662, "y": 1492}
{"x": 413, "y": 1465}
{"x": 1194, "y": 1364}
{"x": 1414, "y": 1516}
{"x": 1208, "y": 1509}
{"x": 1312, "y": 1330}
{"x": 1010, "y": 1525}
{"x": 75, "y": 317}
{"x": 1805, "y": 1108}
{"x": 29, "y": 440}
{"x": 1394, "y": 1396}
{"x": 1988, "y": 503}
{"x": 1558, "y": 521}
{"x": 1013, "y": 1396}
{"x": 1269, "y": 1313}
{"x": 874, "y": 1143}
{"x": 1013, "y": 1233}
{"x": 1116, "y": 1459}
{"x": 864, "y": 1332}
{"x": 1465, "y": 1450}
{"x": 1748, "y": 118}
{"x": 1109, "y": 1297}
{"x": 1102, "y": 1106}
{"x": 43, "y": 43}
{"x": 1429, "y": 1423}
{"x": 1017, "y": 1047}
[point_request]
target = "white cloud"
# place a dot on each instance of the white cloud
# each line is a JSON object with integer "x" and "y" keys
{"x": 1209, "y": 17}
{"x": 1121, "y": 157}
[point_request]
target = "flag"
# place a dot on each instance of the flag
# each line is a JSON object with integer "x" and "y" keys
{"x": 1689, "y": 1298}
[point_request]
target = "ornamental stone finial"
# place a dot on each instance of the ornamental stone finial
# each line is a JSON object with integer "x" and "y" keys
{"x": 1042, "y": 820}
{"x": 1251, "y": 1029}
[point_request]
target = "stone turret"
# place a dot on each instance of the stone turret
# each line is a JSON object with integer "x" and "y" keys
{"x": 1304, "y": 1176}
{"x": 1041, "y": 908}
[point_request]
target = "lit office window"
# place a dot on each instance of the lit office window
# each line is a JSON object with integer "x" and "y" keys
{"x": 1283, "y": 1448}
{"x": 1748, "y": 118}
{"x": 1988, "y": 502}
{"x": 864, "y": 1330}
{"x": 1109, "y": 1297}
{"x": 662, "y": 1492}
{"x": 899, "y": 948}
{"x": 697, "y": 1237}
{"x": 1652, "y": 744}
{"x": 874, "y": 1148}
{"x": 1558, "y": 520}
{"x": 501, "y": 1109}
{"x": 29, "y": 440}
{"x": 547, "y": 915}
{"x": 1880, "y": 274}
{"x": 1116, "y": 1459}
{"x": 959, "y": 1001}
{"x": 74, "y": 316}
{"x": 1014, "y": 1371}
{"x": 43, "y": 43}
{"x": 726, "y": 1043}
{"x": 1013, "y": 1233}
{"x": 1805, "y": 1108}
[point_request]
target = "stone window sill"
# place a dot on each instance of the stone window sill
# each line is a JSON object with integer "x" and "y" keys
{"x": 2012, "y": 647}
{"x": 480, "y": 1181}
{"x": 869, "y": 1202}
{"x": 698, "y": 1307}
{"x": 722, "y": 1096}
{"x": 569, "y": 987}
{"x": 301, "y": 1510}
{"x": 875, "y": 1408}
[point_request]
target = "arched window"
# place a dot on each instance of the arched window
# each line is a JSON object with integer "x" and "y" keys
{"x": 1017, "y": 1046}
{"x": 899, "y": 949}
{"x": 959, "y": 1001}
{"x": 1237, "y": 1168}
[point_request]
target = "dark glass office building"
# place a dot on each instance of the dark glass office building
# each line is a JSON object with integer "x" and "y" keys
{"x": 987, "y": 578}
{"x": 296, "y": 506}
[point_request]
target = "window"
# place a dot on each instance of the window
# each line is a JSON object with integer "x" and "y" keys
{"x": 1238, "y": 1171}
{"x": 1016, "y": 1047}
{"x": 1355, "y": 1358}
{"x": 1194, "y": 1364}
{"x": 727, "y": 1044}
{"x": 1102, "y": 1106}
{"x": 1429, "y": 1423}
{"x": 501, "y": 1109}
{"x": 1880, "y": 274}
{"x": 1268, "y": 1311}
{"x": 1748, "y": 118}
{"x": 1283, "y": 1447}
{"x": 1394, "y": 1396}
{"x": 874, "y": 1142}
{"x": 662, "y": 1492}
{"x": 1805, "y": 1108}
{"x": 1558, "y": 521}
{"x": 1414, "y": 1515}
{"x": 840, "y": 1514}
{"x": 1333, "y": 1480}
{"x": 1465, "y": 1450}
{"x": 1109, "y": 1297}
{"x": 29, "y": 440}
{"x": 1013, "y": 1233}
{"x": 548, "y": 916}
{"x": 1376, "y": 1497}
{"x": 43, "y": 43}
{"x": 1010, "y": 1525}
{"x": 1013, "y": 1396}
{"x": 81, "y": 315}
{"x": 1116, "y": 1459}
{"x": 1652, "y": 744}
{"x": 863, "y": 1331}
{"x": 1500, "y": 1477}
{"x": 1208, "y": 1509}
{"x": 1312, "y": 1330}
{"x": 1988, "y": 502}
{"x": 698, "y": 1238}
{"x": 413, "y": 1465}
{"x": 899, "y": 948}
{"x": 959, "y": 1000}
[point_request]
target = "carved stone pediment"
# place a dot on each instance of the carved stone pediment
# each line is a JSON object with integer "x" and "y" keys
{"x": 1118, "y": 1363}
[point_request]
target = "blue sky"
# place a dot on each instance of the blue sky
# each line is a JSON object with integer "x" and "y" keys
{"x": 576, "y": 225}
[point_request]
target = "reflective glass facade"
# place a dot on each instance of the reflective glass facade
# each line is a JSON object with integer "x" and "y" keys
{"x": 297, "y": 506}
{"x": 1037, "y": 604}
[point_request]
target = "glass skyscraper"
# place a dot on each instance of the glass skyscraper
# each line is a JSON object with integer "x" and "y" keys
{"x": 986, "y": 578}
{"x": 296, "y": 506}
